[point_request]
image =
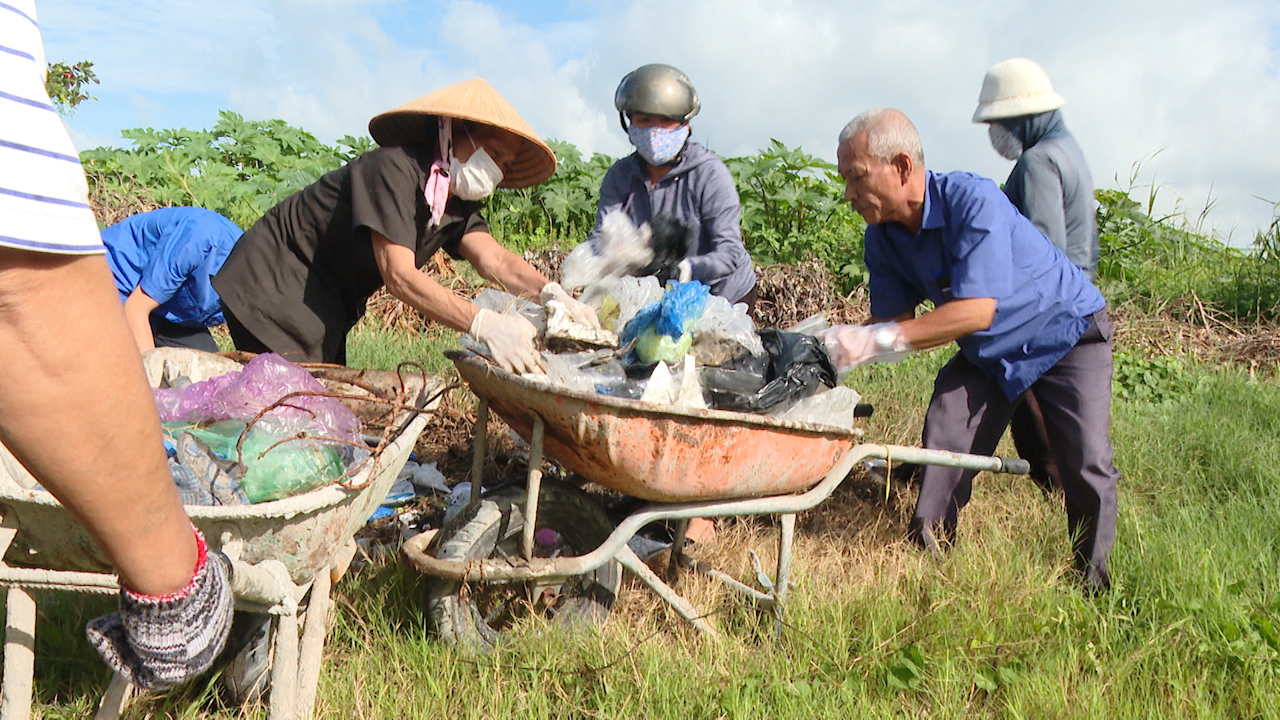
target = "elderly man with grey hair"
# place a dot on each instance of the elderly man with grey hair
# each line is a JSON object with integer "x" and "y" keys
{"x": 1021, "y": 313}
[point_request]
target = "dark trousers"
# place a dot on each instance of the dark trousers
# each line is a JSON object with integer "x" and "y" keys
{"x": 171, "y": 334}
{"x": 1031, "y": 440}
{"x": 969, "y": 412}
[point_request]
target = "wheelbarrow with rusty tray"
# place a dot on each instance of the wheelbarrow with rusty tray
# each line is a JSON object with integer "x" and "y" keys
{"x": 549, "y": 549}
{"x": 285, "y": 552}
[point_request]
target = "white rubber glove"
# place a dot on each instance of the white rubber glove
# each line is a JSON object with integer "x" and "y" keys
{"x": 684, "y": 271}
{"x": 852, "y": 345}
{"x": 580, "y": 312}
{"x": 512, "y": 340}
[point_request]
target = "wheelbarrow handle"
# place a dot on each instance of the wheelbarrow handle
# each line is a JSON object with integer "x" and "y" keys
{"x": 1014, "y": 466}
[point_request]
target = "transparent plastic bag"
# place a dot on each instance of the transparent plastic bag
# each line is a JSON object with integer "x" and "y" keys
{"x": 243, "y": 395}
{"x": 621, "y": 249}
{"x": 723, "y": 332}
{"x": 617, "y": 300}
{"x": 835, "y": 407}
{"x": 582, "y": 371}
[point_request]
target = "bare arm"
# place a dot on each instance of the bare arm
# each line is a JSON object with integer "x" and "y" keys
{"x": 949, "y": 322}
{"x": 418, "y": 290}
{"x": 137, "y": 311}
{"x": 113, "y": 478}
{"x": 500, "y": 266}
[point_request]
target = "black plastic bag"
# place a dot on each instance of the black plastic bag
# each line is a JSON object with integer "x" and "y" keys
{"x": 795, "y": 367}
{"x": 671, "y": 240}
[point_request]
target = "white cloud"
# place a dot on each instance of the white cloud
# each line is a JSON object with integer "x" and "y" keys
{"x": 1191, "y": 86}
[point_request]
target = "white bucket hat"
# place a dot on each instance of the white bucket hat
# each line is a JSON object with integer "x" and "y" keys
{"x": 1015, "y": 88}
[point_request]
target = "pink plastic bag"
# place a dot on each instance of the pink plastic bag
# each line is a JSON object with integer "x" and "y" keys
{"x": 242, "y": 395}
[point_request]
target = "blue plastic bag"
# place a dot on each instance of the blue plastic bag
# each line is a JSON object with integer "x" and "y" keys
{"x": 662, "y": 329}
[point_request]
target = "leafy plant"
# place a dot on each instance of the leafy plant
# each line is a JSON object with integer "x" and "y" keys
{"x": 793, "y": 209}
{"x": 562, "y": 207}
{"x": 1149, "y": 379}
{"x": 66, "y": 85}
{"x": 905, "y": 669}
{"x": 240, "y": 168}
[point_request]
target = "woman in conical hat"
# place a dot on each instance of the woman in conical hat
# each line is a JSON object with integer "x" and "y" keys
{"x": 298, "y": 280}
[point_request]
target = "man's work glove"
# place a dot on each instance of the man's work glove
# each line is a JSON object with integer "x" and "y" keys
{"x": 159, "y": 642}
{"x": 852, "y": 345}
{"x": 580, "y": 312}
{"x": 512, "y": 340}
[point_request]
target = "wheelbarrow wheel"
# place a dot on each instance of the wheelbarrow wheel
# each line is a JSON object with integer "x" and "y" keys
{"x": 569, "y": 524}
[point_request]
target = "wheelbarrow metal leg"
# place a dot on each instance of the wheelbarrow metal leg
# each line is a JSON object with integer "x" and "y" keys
{"x": 284, "y": 669}
{"x": 112, "y": 705}
{"x": 19, "y": 654}
{"x": 786, "y": 541}
{"x": 534, "y": 486}
{"x": 312, "y": 646}
{"x": 677, "y": 550}
{"x": 478, "y": 455}
{"x": 632, "y": 562}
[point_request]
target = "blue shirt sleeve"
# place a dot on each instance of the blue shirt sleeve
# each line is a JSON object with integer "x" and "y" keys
{"x": 181, "y": 250}
{"x": 980, "y": 250}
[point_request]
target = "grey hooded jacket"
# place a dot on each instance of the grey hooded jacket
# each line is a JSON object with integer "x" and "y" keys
{"x": 699, "y": 191}
{"x": 1052, "y": 187}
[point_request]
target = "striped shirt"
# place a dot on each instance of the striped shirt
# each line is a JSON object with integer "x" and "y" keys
{"x": 44, "y": 200}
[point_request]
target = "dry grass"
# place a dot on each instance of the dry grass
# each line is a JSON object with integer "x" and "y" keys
{"x": 115, "y": 201}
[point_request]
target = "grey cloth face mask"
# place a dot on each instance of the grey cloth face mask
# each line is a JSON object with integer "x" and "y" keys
{"x": 1004, "y": 141}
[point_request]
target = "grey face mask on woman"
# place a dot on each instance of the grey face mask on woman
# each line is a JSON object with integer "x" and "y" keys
{"x": 1004, "y": 141}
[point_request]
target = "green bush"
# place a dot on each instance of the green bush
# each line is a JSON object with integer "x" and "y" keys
{"x": 241, "y": 168}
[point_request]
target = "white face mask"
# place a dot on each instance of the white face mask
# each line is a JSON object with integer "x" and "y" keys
{"x": 475, "y": 179}
{"x": 1004, "y": 141}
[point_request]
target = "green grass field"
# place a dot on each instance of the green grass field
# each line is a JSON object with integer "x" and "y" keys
{"x": 874, "y": 628}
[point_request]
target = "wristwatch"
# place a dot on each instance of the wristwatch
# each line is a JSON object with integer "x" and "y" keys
{"x": 884, "y": 340}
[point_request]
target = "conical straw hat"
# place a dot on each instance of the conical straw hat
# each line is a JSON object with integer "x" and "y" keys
{"x": 474, "y": 100}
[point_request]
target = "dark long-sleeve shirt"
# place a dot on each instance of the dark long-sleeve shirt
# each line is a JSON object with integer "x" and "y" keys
{"x": 1052, "y": 187}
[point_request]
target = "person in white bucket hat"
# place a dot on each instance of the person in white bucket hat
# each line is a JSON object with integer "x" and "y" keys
{"x": 299, "y": 278}
{"x": 1050, "y": 184}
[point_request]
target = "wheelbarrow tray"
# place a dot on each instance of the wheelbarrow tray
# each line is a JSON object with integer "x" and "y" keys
{"x": 659, "y": 453}
{"x": 305, "y": 531}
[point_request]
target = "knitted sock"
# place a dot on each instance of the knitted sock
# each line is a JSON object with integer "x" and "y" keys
{"x": 159, "y": 642}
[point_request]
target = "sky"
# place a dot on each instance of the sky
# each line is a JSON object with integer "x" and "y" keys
{"x": 1179, "y": 96}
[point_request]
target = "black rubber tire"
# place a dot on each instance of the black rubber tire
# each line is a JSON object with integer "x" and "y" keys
{"x": 475, "y": 615}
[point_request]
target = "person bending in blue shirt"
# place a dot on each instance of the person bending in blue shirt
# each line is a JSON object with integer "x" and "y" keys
{"x": 162, "y": 262}
{"x": 1023, "y": 315}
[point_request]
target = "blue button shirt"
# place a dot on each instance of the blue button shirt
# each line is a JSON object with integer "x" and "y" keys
{"x": 973, "y": 243}
{"x": 171, "y": 253}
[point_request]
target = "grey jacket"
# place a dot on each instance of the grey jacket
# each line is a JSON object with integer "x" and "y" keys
{"x": 699, "y": 191}
{"x": 1051, "y": 185}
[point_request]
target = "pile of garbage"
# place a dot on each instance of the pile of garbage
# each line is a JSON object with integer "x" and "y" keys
{"x": 261, "y": 433}
{"x": 673, "y": 343}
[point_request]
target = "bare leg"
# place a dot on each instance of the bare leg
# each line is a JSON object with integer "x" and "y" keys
{"x": 76, "y": 411}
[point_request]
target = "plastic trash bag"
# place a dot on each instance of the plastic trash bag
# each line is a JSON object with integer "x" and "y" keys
{"x": 662, "y": 331}
{"x": 276, "y": 466}
{"x": 723, "y": 332}
{"x": 796, "y": 367}
{"x": 621, "y": 249}
{"x": 263, "y": 382}
{"x": 671, "y": 239}
{"x": 836, "y": 407}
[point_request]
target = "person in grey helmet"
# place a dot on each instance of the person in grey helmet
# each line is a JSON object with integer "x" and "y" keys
{"x": 1050, "y": 184}
{"x": 669, "y": 173}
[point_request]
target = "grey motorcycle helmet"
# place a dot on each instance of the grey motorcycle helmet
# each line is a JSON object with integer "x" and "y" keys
{"x": 656, "y": 89}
